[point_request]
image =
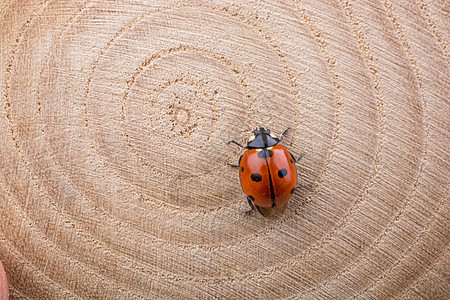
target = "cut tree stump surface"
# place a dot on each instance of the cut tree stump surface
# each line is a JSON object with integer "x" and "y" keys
{"x": 114, "y": 118}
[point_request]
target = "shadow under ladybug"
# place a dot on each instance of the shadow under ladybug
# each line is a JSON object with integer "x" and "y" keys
{"x": 267, "y": 172}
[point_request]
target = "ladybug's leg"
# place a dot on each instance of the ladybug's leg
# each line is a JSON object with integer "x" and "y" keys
{"x": 235, "y": 166}
{"x": 236, "y": 143}
{"x": 250, "y": 203}
{"x": 284, "y": 132}
{"x": 296, "y": 159}
{"x": 252, "y": 207}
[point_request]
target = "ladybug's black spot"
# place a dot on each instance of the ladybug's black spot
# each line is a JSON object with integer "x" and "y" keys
{"x": 262, "y": 153}
{"x": 291, "y": 161}
{"x": 242, "y": 169}
{"x": 282, "y": 173}
{"x": 256, "y": 177}
{"x": 251, "y": 198}
{"x": 293, "y": 191}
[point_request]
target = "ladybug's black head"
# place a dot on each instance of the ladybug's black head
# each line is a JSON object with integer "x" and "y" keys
{"x": 262, "y": 138}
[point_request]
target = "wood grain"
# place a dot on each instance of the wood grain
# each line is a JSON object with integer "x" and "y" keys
{"x": 113, "y": 158}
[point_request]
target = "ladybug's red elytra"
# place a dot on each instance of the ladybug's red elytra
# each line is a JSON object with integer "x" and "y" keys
{"x": 267, "y": 172}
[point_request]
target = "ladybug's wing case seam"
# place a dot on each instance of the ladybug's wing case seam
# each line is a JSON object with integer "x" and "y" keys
{"x": 272, "y": 190}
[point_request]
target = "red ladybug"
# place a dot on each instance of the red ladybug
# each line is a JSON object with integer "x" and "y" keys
{"x": 267, "y": 172}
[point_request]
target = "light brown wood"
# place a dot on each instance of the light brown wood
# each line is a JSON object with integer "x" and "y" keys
{"x": 113, "y": 158}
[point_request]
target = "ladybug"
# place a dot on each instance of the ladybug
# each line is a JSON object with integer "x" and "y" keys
{"x": 267, "y": 172}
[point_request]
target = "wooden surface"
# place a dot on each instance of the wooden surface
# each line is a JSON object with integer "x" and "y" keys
{"x": 113, "y": 128}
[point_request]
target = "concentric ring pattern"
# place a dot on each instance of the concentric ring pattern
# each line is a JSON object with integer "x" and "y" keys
{"x": 114, "y": 120}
